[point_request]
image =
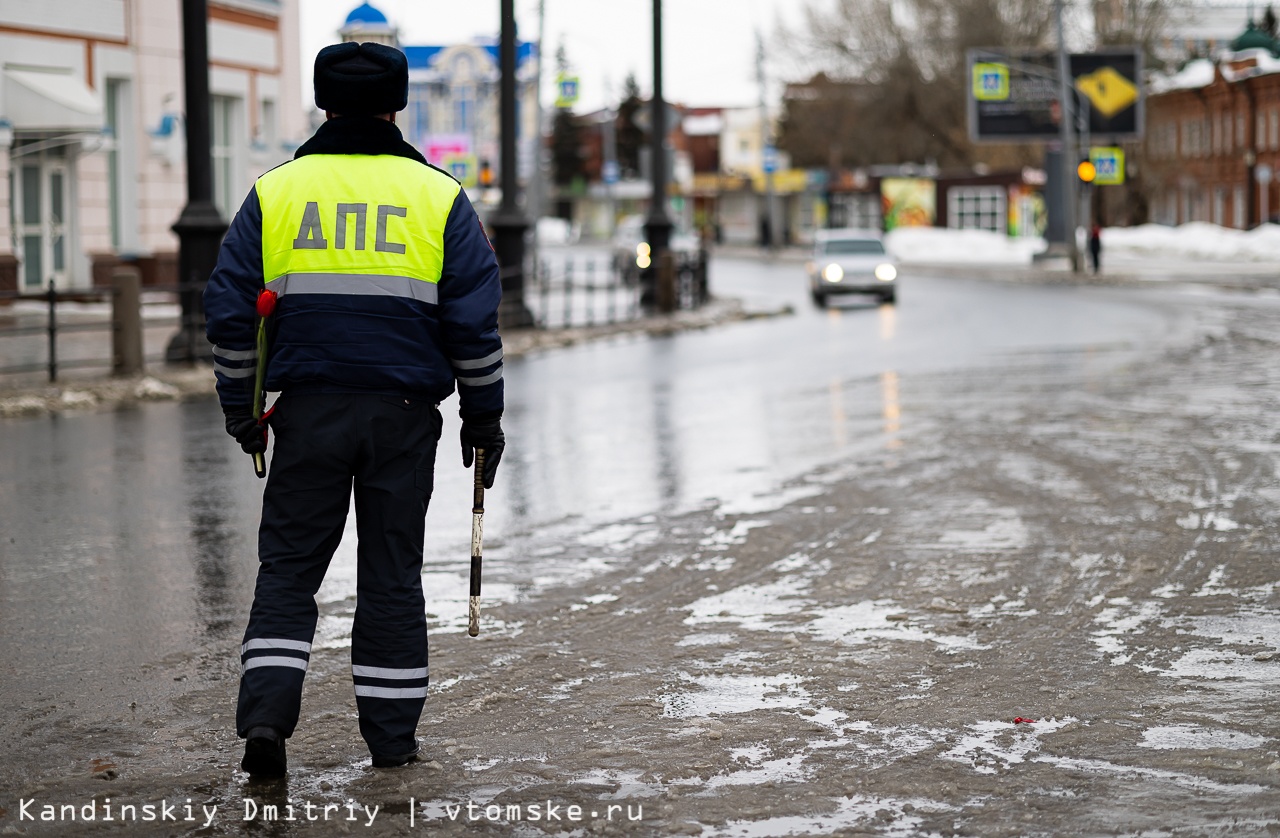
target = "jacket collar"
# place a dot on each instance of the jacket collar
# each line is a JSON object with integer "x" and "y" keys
{"x": 358, "y": 135}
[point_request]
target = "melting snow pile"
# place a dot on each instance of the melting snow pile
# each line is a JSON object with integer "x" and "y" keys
{"x": 1195, "y": 241}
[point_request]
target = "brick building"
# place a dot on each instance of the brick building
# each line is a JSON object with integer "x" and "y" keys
{"x": 1212, "y": 144}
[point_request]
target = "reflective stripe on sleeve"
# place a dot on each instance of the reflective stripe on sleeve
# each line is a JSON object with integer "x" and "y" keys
{"x": 236, "y": 354}
{"x": 390, "y": 692}
{"x": 273, "y": 660}
{"x": 233, "y": 372}
{"x": 482, "y": 380}
{"x": 384, "y": 672}
{"x": 478, "y": 363}
{"x": 275, "y": 643}
{"x": 360, "y": 285}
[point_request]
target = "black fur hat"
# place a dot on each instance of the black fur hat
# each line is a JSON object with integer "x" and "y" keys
{"x": 361, "y": 79}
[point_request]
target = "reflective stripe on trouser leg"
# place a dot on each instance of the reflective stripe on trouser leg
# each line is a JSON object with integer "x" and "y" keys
{"x": 389, "y": 636}
{"x": 304, "y": 509}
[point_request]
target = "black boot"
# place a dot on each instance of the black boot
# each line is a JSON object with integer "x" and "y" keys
{"x": 264, "y": 753}
{"x": 388, "y": 761}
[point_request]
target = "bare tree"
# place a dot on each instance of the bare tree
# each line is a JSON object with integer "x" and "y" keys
{"x": 908, "y": 60}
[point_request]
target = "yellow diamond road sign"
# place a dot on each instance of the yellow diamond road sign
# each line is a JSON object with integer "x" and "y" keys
{"x": 1109, "y": 92}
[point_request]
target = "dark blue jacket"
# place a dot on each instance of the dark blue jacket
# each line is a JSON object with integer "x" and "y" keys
{"x": 321, "y": 342}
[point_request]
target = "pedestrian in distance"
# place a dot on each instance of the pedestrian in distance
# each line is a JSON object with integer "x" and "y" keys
{"x": 1095, "y": 247}
{"x": 384, "y": 292}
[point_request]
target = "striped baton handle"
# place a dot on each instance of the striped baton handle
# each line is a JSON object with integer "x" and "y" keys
{"x": 477, "y": 541}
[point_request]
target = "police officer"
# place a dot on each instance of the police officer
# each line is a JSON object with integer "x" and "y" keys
{"x": 387, "y": 295}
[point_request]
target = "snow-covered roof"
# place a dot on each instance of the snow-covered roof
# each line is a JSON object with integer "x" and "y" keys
{"x": 1263, "y": 62}
{"x": 1197, "y": 73}
{"x": 703, "y": 125}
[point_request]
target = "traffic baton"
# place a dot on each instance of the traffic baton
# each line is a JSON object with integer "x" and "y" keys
{"x": 477, "y": 539}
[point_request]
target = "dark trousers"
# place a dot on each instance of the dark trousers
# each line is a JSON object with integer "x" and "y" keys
{"x": 325, "y": 445}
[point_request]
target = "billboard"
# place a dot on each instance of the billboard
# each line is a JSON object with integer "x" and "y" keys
{"x": 908, "y": 202}
{"x": 1013, "y": 96}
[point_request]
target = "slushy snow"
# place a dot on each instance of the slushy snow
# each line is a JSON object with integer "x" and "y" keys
{"x": 1196, "y": 241}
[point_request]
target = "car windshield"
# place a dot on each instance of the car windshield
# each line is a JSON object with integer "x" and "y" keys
{"x": 852, "y": 247}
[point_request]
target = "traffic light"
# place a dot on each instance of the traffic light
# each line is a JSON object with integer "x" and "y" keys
{"x": 486, "y": 174}
{"x": 1086, "y": 170}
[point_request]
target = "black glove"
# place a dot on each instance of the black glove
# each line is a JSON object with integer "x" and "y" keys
{"x": 249, "y": 432}
{"x": 483, "y": 432}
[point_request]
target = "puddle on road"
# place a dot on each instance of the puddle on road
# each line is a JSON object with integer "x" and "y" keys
{"x": 727, "y": 694}
{"x": 992, "y": 746}
{"x": 782, "y": 607}
{"x": 1194, "y": 737}
{"x": 1120, "y": 620}
{"x": 890, "y": 816}
{"x": 785, "y": 770}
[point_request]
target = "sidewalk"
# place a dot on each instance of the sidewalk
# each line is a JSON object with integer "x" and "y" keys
{"x": 97, "y": 389}
{"x": 1121, "y": 269}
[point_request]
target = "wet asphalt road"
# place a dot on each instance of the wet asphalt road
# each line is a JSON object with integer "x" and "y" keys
{"x": 126, "y": 563}
{"x": 130, "y": 534}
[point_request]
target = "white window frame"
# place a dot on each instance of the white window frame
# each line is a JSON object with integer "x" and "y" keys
{"x": 978, "y": 208}
{"x": 120, "y": 145}
{"x": 226, "y": 148}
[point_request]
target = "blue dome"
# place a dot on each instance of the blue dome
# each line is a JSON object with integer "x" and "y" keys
{"x": 365, "y": 13}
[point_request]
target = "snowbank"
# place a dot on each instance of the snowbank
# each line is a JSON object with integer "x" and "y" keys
{"x": 1191, "y": 242}
{"x": 1195, "y": 241}
{"x": 939, "y": 246}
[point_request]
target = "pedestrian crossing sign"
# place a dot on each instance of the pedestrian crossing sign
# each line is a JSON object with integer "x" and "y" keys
{"x": 463, "y": 167}
{"x": 990, "y": 82}
{"x": 566, "y": 91}
{"x": 1108, "y": 161}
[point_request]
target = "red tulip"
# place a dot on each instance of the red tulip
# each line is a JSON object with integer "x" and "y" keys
{"x": 266, "y": 303}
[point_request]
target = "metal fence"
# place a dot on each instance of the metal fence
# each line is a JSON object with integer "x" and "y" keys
{"x": 54, "y": 331}
{"x": 574, "y": 290}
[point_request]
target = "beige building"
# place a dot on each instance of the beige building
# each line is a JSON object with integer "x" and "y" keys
{"x": 92, "y": 144}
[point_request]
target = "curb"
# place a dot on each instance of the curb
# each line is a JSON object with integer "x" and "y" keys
{"x": 181, "y": 383}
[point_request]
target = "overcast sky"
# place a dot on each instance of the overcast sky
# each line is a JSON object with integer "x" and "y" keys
{"x": 708, "y": 45}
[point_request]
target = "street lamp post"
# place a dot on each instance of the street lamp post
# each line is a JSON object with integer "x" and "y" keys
{"x": 509, "y": 223}
{"x": 658, "y": 225}
{"x": 200, "y": 227}
{"x": 1067, "y": 113}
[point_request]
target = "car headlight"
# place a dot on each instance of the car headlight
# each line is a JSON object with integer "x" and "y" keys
{"x": 643, "y": 255}
{"x": 886, "y": 273}
{"x": 833, "y": 273}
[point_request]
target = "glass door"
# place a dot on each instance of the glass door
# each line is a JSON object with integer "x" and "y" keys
{"x": 40, "y": 225}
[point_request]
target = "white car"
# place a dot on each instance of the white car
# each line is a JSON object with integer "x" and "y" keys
{"x": 631, "y": 252}
{"x": 851, "y": 262}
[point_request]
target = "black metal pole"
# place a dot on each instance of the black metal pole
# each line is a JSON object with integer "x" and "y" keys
{"x": 199, "y": 228}
{"x": 509, "y": 223}
{"x": 53, "y": 331}
{"x": 658, "y": 224}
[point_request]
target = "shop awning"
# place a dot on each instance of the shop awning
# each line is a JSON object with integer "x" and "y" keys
{"x": 42, "y": 100}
